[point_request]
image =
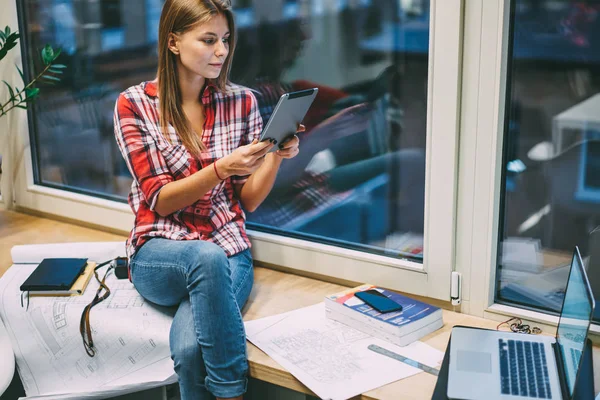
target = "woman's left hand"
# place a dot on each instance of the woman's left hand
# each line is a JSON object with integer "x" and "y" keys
{"x": 291, "y": 147}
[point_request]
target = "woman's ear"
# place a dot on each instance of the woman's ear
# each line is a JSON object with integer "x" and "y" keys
{"x": 173, "y": 43}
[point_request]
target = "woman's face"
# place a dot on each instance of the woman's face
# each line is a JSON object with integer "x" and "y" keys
{"x": 203, "y": 49}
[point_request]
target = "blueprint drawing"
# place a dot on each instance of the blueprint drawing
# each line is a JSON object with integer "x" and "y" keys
{"x": 129, "y": 334}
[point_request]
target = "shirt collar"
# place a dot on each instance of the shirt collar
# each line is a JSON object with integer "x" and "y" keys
{"x": 151, "y": 88}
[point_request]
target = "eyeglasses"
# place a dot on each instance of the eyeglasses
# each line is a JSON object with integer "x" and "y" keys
{"x": 85, "y": 327}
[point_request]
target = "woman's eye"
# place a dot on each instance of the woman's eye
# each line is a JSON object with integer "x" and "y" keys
{"x": 226, "y": 40}
{"x": 209, "y": 41}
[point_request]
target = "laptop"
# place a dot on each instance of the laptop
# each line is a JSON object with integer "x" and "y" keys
{"x": 487, "y": 364}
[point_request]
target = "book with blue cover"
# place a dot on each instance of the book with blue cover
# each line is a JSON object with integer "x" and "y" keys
{"x": 415, "y": 320}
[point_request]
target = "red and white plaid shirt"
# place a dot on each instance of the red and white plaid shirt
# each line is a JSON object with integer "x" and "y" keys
{"x": 232, "y": 120}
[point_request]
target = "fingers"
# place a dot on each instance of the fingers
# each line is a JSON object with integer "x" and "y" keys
{"x": 301, "y": 128}
{"x": 290, "y": 148}
{"x": 263, "y": 149}
{"x": 257, "y": 147}
{"x": 289, "y": 152}
{"x": 291, "y": 142}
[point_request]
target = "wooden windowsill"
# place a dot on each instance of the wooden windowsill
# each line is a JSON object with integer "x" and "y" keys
{"x": 274, "y": 292}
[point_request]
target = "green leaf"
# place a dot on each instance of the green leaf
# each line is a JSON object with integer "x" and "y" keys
{"x": 47, "y": 54}
{"x": 11, "y": 41}
{"x": 50, "y": 77}
{"x": 20, "y": 73}
{"x": 7, "y": 30}
{"x": 59, "y": 66}
{"x": 55, "y": 71}
{"x": 10, "y": 91}
{"x": 10, "y": 45}
{"x": 21, "y": 106}
{"x": 2, "y": 36}
{"x": 31, "y": 93}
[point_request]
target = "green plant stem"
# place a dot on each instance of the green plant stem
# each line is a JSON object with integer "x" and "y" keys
{"x": 12, "y": 99}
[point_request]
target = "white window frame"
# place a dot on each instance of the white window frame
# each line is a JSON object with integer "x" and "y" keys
{"x": 485, "y": 65}
{"x": 431, "y": 279}
{"x": 482, "y": 127}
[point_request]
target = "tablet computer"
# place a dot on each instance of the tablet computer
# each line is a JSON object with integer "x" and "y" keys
{"x": 288, "y": 113}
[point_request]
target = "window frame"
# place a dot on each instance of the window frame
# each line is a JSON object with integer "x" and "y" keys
{"x": 431, "y": 279}
{"x": 480, "y": 165}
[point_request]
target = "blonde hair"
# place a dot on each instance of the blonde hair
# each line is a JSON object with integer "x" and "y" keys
{"x": 179, "y": 16}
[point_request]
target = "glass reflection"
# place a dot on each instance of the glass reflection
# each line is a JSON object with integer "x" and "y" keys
{"x": 360, "y": 176}
{"x": 551, "y": 199}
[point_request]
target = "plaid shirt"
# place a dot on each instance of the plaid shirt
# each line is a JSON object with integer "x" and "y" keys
{"x": 232, "y": 120}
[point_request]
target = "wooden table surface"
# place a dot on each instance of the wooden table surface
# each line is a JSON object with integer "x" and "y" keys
{"x": 274, "y": 292}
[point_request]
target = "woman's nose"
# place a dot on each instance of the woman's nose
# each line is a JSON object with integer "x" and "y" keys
{"x": 221, "y": 49}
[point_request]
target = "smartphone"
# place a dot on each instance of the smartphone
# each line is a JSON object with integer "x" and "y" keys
{"x": 378, "y": 301}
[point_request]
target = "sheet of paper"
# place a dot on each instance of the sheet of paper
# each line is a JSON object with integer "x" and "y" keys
{"x": 131, "y": 335}
{"x": 331, "y": 358}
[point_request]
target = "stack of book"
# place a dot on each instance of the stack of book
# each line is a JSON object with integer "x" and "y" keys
{"x": 416, "y": 319}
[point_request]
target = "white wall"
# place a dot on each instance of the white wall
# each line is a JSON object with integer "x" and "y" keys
{"x": 12, "y": 146}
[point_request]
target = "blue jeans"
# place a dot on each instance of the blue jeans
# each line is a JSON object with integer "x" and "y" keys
{"x": 207, "y": 338}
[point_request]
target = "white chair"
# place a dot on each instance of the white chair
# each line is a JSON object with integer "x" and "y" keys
{"x": 7, "y": 366}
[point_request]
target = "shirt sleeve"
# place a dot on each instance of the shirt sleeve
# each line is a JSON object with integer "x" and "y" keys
{"x": 253, "y": 130}
{"x": 140, "y": 151}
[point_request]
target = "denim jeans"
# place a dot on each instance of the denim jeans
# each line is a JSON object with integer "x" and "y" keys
{"x": 207, "y": 338}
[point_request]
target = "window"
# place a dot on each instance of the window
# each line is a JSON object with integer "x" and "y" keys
{"x": 374, "y": 162}
{"x": 105, "y": 48}
{"x": 359, "y": 180}
{"x": 550, "y": 190}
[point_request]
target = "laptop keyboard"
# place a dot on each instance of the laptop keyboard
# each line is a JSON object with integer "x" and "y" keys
{"x": 523, "y": 369}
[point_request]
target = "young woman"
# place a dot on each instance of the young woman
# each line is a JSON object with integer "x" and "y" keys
{"x": 190, "y": 140}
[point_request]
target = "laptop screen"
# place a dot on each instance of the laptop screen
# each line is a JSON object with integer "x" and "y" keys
{"x": 574, "y": 322}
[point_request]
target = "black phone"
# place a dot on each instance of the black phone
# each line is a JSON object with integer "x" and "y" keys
{"x": 378, "y": 301}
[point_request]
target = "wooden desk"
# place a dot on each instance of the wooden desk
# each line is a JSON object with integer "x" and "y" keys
{"x": 274, "y": 292}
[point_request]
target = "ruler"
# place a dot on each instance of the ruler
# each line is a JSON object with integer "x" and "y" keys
{"x": 403, "y": 359}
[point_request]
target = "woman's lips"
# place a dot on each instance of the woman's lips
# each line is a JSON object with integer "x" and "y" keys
{"x": 216, "y": 65}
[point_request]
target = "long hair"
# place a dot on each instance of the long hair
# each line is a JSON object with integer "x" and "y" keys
{"x": 179, "y": 16}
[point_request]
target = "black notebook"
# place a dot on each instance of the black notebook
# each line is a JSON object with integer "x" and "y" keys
{"x": 55, "y": 274}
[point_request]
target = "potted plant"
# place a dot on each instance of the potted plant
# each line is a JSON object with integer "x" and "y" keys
{"x": 15, "y": 97}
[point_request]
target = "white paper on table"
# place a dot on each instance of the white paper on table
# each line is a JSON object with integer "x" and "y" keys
{"x": 330, "y": 358}
{"x": 131, "y": 335}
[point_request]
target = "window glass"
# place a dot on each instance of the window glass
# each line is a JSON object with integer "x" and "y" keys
{"x": 359, "y": 180}
{"x": 551, "y": 188}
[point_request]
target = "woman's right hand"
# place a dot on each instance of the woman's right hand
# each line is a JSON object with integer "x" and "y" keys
{"x": 246, "y": 159}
